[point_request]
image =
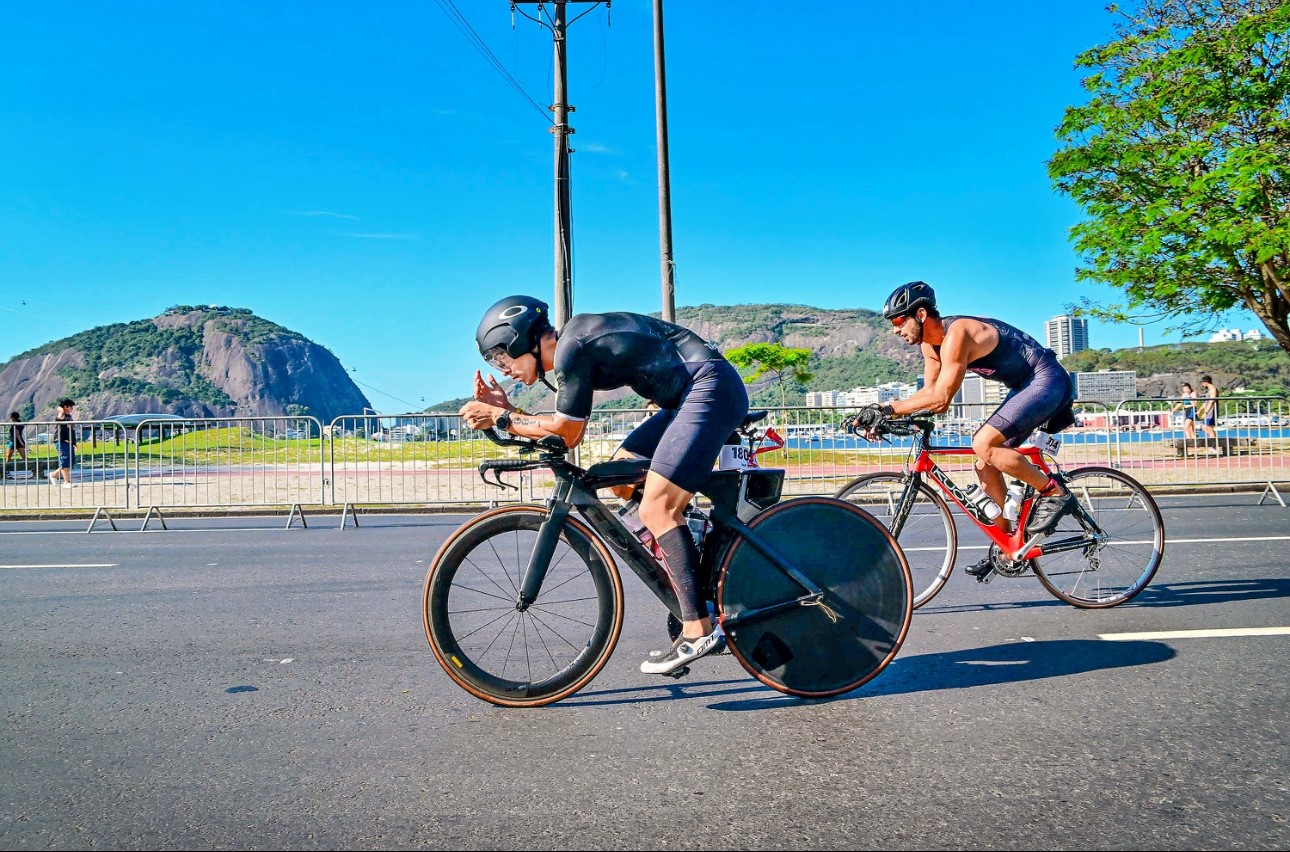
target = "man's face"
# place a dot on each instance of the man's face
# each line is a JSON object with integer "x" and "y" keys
{"x": 522, "y": 369}
{"x": 909, "y": 328}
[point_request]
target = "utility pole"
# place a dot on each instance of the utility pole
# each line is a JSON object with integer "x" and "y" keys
{"x": 558, "y": 23}
{"x": 664, "y": 177}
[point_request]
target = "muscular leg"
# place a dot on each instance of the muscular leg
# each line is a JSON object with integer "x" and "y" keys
{"x": 987, "y": 443}
{"x": 662, "y": 508}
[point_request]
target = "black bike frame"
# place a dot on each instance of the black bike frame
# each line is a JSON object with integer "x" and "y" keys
{"x": 572, "y": 490}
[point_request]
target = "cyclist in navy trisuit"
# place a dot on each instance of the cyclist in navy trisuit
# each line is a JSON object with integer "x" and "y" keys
{"x": 701, "y": 400}
{"x": 1039, "y": 390}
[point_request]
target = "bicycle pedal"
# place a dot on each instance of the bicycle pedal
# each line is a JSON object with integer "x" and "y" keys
{"x": 987, "y": 578}
{"x": 677, "y": 673}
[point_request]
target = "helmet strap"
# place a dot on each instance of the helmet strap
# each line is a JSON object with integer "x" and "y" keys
{"x": 541, "y": 372}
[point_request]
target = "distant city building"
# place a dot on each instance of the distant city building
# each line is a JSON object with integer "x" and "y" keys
{"x": 861, "y": 396}
{"x": 1106, "y": 386}
{"x": 977, "y": 397}
{"x": 825, "y": 399}
{"x": 1224, "y": 335}
{"x": 1066, "y": 335}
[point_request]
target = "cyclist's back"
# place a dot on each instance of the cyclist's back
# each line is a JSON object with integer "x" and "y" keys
{"x": 655, "y": 358}
{"x": 1015, "y": 358}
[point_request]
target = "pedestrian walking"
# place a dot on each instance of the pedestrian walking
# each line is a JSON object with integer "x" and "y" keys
{"x": 65, "y": 439}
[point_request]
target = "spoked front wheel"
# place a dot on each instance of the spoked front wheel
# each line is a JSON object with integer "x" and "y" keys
{"x": 537, "y": 655}
{"x": 928, "y": 537}
{"x": 818, "y": 648}
{"x": 1126, "y": 545}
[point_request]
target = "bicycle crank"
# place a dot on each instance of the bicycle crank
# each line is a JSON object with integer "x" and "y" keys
{"x": 1004, "y": 565}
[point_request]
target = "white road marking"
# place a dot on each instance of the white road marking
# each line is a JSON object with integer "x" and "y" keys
{"x": 1196, "y": 634}
{"x": 67, "y": 565}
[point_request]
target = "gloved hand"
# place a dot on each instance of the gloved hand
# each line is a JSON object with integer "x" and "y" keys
{"x": 868, "y": 418}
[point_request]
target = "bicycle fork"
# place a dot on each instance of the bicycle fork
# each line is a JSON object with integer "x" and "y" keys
{"x": 540, "y": 559}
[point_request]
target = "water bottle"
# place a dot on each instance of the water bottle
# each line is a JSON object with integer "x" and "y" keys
{"x": 1016, "y": 496}
{"x": 976, "y": 496}
{"x": 629, "y": 514}
{"x": 698, "y": 523}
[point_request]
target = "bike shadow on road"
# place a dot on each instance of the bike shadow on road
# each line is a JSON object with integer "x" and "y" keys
{"x": 1155, "y": 595}
{"x": 1212, "y": 591}
{"x": 1011, "y": 662}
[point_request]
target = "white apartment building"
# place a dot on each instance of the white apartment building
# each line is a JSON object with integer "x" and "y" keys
{"x": 825, "y": 399}
{"x": 1066, "y": 334}
{"x": 1224, "y": 335}
{"x": 861, "y": 395}
{"x": 880, "y": 394}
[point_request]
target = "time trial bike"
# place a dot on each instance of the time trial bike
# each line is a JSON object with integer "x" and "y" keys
{"x": 523, "y": 604}
{"x": 1101, "y": 556}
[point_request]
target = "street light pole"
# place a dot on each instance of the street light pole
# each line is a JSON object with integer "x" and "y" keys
{"x": 668, "y": 268}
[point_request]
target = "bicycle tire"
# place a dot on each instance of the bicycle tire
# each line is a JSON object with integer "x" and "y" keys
{"x": 486, "y": 644}
{"x": 929, "y": 538}
{"x": 817, "y": 651}
{"x": 1116, "y": 570}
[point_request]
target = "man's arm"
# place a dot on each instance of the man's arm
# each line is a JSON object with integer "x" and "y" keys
{"x": 941, "y": 377}
{"x": 481, "y": 415}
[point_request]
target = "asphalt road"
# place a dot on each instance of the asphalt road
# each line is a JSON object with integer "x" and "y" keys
{"x": 238, "y": 685}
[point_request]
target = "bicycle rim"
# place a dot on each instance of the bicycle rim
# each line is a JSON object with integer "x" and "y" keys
{"x": 928, "y": 537}
{"x": 1113, "y": 571}
{"x": 810, "y": 650}
{"x": 505, "y": 656}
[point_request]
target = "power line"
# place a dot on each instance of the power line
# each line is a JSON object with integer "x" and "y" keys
{"x": 463, "y": 26}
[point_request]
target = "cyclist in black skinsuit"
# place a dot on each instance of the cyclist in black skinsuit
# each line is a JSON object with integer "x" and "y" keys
{"x": 701, "y": 400}
{"x": 1039, "y": 390}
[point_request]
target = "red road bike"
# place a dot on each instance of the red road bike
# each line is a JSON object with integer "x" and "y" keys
{"x": 1098, "y": 557}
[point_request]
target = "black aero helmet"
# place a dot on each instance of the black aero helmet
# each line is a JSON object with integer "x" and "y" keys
{"x": 908, "y": 298}
{"x": 515, "y": 324}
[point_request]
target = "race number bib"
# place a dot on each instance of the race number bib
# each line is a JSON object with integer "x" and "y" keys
{"x": 733, "y": 457}
{"x": 1048, "y": 444}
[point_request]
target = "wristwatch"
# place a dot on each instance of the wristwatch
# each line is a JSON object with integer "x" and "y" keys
{"x": 503, "y": 421}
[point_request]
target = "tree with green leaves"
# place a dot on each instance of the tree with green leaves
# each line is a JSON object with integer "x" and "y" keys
{"x": 1181, "y": 163}
{"x": 785, "y": 362}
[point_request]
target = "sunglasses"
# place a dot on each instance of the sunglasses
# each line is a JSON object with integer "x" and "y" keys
{"x": 498, "y": 358}
{"x": 900, "y": 320}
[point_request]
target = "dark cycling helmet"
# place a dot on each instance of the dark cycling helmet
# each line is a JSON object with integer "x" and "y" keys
{"x": 515, "y": 324}
{"x": 908, "y": 298}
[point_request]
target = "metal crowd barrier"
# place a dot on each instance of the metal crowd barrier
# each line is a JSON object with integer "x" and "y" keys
{"x": 99, "y": 476}
{"x": 228, "y": 461}
{"x": 1249, "y": 444}
{"x": 431, "y": 459}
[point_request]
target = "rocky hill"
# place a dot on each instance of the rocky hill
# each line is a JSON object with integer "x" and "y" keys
{"x": 190, "y": 361}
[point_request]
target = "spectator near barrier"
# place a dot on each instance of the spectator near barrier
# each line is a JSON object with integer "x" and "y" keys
{"x": 1209, "y": 406}
{"x": 65, "y": 439}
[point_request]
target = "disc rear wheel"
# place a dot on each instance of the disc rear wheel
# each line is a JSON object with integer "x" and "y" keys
{"x": 928, "y": 537}
{"x": 816, "y": 648}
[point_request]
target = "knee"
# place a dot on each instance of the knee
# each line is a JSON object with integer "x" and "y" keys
{"x": 984, "y": 451}
{"x": 656, "y": 514}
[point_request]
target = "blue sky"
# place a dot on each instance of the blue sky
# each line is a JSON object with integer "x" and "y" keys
{"x": 361, "y": 174}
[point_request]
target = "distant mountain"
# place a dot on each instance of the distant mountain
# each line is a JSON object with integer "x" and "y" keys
{"x": 190, "y": 361}
{"x": 853, "y": 348}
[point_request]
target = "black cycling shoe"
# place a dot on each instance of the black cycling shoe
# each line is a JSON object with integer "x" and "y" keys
{"x": 982, "y": 569}
{"x": 1048, "y": 511}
